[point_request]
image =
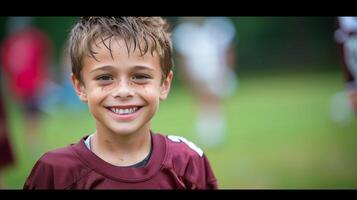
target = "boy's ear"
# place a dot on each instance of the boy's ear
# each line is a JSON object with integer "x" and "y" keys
{"x": 165, "y": 86}
{"x": 79, "y": 88}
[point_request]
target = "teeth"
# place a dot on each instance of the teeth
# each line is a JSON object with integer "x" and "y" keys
{"x": 124, "y": 111}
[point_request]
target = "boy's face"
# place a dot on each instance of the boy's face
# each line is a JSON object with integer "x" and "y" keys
{"x": 123, "y": 91}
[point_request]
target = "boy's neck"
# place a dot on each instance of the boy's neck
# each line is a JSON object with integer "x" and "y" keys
{"x": 121, "y": 150}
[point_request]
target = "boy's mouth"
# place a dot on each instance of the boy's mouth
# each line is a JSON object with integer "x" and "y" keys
{"x": 124, "y": 110}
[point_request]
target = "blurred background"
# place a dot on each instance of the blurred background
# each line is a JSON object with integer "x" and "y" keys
{"x": 289, "y": 124}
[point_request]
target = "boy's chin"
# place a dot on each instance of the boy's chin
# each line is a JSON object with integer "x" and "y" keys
{"x": 124, "y": 131}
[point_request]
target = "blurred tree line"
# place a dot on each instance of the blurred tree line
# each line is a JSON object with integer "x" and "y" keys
{"x": 286, "y": 42}
{"x": 264, "y": 43}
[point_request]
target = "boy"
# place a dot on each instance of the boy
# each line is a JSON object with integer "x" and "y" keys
{"x": 122, "y": 67}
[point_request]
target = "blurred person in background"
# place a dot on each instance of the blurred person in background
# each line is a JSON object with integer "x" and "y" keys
{"x": 206, "y": 60}
{"x": 346, "y": 35}
{"x": 6, "y": 152}
{"x": 63, "y": 95}
{"x": 344, "y": 104}
{"x": 25, "y": 59}
{"x": 68, "y": 98}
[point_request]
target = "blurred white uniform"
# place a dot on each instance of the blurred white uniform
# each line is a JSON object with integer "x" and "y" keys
{"x": 347, "y": 35}
{"x": 205, "y": 47}
{"x": 342, "y": 109}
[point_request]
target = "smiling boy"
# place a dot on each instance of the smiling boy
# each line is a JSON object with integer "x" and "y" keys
{"x": 122, "y": 68}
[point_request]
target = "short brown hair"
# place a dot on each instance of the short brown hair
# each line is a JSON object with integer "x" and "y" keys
{"x": 145, "y": 33}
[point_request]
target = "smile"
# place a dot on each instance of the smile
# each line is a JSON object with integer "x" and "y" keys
{"x": 124, "y": 110}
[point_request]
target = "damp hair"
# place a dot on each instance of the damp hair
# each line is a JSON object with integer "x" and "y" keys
{"x": 146, "y": 34}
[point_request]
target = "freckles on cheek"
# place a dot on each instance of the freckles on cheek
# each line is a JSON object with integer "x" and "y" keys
{"x": 144, "y": 89}
{"x": 148, "y": 90}
{"x": 99, "y": 91}
{"x": 106, "y": 88}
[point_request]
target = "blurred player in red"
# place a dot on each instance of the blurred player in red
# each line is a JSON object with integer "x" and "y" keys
{"x": 122, "y": 68}
{"x": 346, "y": 36}
{"x": 25, "y": 58}
{"x": 6, "y": 152}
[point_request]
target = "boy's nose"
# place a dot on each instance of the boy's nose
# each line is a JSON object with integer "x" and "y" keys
{"x": 122, "y": 90}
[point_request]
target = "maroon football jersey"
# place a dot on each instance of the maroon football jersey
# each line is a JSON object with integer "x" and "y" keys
{"x": 175, "y": 163}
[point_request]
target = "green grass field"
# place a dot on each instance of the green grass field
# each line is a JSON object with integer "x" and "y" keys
{"x": 280, "y": 134}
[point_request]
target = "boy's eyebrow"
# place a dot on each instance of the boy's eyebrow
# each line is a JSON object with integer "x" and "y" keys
{"x": 142, "y": 67}
{"x": 105, "y": 67}
{"x": 110, "y": 67}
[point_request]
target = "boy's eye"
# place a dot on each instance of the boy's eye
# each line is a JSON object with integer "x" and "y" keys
{"x": 141, "y": 77}
{"x": 104, "y": 78}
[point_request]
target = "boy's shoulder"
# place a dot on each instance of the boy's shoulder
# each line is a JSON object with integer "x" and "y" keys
{"x": 57, "y": 168}
{"x": 59, "y": 155}
{"x": 187, "y": 160}
{"x": 62, "y": 161}
{"x": 178, "y": 145}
